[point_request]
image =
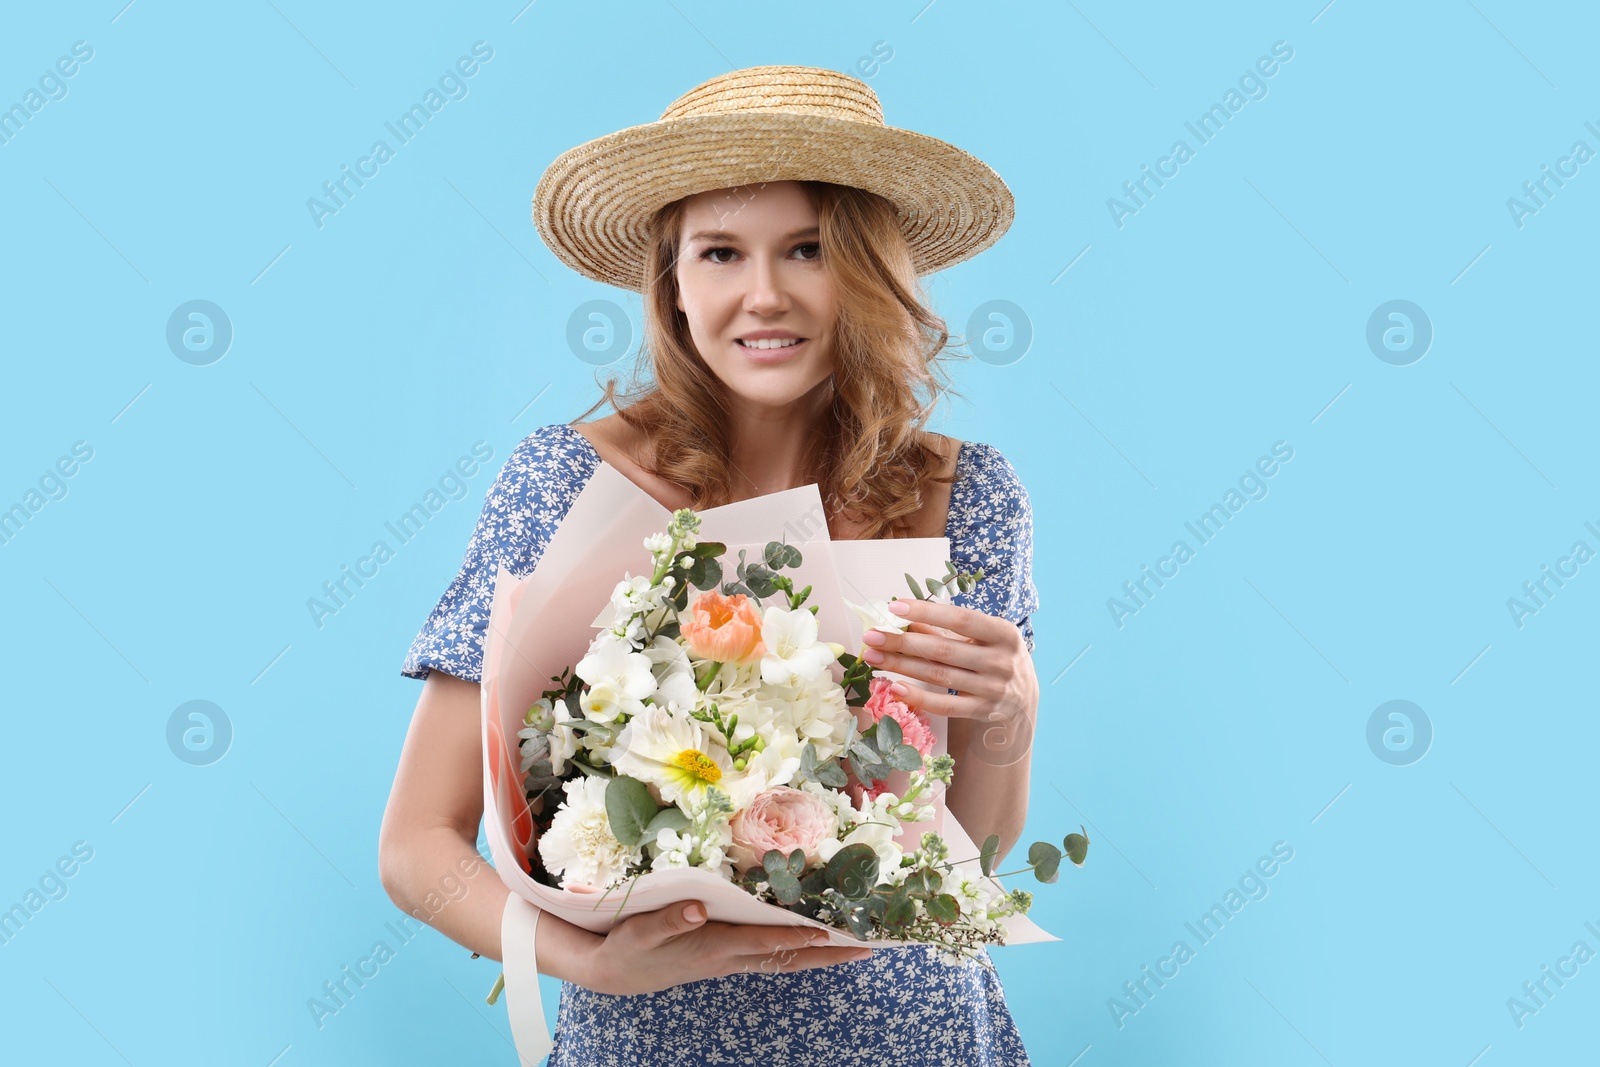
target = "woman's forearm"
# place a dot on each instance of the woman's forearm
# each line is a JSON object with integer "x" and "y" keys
{"x": 989, "y": 790}
{"x": 436, "y": 876}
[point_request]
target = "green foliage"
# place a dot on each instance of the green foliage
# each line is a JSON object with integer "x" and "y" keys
{"x": 1077, "y": 846}
{"x": 853, "y": 871}
{"x": 829, "y": 774}
{"x": 1045, "y": 858}
{"x": 629, "y": 809}
{"x": 944, "y": 909}
{"x": 986, "y": 856}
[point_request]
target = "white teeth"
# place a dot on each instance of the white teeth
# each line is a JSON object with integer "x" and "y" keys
{"x": 771, "y": 343}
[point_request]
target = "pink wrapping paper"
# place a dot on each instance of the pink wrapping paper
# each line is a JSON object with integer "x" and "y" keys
{"x": 541, "y": 623}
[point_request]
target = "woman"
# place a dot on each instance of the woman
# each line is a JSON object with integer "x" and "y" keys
{"x": 787, "y": 342}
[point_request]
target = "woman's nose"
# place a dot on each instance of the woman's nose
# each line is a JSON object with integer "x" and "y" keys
{"x": 766, "y": 293}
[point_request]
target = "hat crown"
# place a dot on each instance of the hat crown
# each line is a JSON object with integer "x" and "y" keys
{"x": 789, "y": 89}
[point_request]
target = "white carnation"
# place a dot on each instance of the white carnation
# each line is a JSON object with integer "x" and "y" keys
{"x": 579, "y": 845}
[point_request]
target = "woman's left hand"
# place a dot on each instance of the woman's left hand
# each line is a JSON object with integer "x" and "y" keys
{"x": 981, "y": 656}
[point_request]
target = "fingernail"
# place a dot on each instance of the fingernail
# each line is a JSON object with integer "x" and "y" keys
{"x": 897, "y": 689}
{"x": 872, "y": 655}
{"x": 694, "y": 913}
{"x": 873, "y": 637}
{"x": 900, "y": 607}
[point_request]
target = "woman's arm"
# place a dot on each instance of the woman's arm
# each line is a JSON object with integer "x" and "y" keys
{"x": 989, "y": 791}
{"x": 427, "y": 859}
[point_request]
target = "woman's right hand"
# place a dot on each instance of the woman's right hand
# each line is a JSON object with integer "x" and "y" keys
{"x": 656, "y": 950}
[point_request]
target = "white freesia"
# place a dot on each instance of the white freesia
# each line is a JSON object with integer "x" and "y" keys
{"x": 619, "y": 679}
{"x": 793, "y": 653}
{"x": 563, "y": 739}
{"x": 877, "y": 616}
{"x": 773, "y": 766}
{"x": 674, "y": 674}
{"x": 672, "y": 752}
{"x": 579, "y": 846}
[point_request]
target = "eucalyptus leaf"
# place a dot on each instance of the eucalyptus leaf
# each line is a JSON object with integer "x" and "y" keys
{"x": 1045, "y": 859}
{"x": 991, "y": 849}
{"x": 1077, "y": 847}
{"x": 944, "y": 909}
{"x": 785, "y": 886}
{"x": 629, "y": 809}
{"x": 915, "y": 589}
{"x": 853, "y": 871}
{"x": 922, "y": 884}
{"x": 905, "y": 758}
{"x": 797, "y": 862}
{"x": 666, "y": 819}
{"x": 859, "y": 919}
{"x": 889, "y": 734}
{"x": 832, "y": 775}
{"x": 902, "y": 911}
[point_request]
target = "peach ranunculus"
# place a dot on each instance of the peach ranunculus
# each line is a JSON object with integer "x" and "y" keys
{"x": 782, "y": 818}
{"x": 723, "y": 628}
{"x": 916, "y": 729}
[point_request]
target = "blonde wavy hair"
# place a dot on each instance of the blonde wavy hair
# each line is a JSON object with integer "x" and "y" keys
{"x": 869, "y": 461}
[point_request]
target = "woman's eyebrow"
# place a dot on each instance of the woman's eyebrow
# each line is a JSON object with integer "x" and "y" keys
{"x": 724, "y": 235}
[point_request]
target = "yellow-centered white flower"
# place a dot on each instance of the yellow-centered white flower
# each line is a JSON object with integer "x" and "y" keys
{"x": 672, "y": 752}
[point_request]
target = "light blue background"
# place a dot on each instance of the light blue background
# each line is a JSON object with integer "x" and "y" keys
{"x": 1229, "y": 313}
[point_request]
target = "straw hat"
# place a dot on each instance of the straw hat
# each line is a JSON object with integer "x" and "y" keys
{"x": 764, "y": 124}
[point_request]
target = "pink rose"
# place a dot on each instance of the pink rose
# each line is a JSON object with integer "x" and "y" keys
{"x": 916, "y": 729}
{"x": 782, "y": 818}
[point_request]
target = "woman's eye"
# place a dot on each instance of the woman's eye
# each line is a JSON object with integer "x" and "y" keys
{"x": 814, "y": 246}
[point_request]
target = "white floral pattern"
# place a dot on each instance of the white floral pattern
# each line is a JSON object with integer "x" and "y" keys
{"x": 899, "y": 1006}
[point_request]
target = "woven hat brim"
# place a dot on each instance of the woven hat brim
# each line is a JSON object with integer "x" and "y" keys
{"x": 594, "y": 201}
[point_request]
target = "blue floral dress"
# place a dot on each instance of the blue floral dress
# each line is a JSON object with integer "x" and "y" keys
{"x": 898, "y": 1006}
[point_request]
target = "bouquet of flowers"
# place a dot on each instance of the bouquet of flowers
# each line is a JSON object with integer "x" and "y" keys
{"x": 705, "y": 728}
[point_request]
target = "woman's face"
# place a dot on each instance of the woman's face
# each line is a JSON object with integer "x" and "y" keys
{"x": 750, "y": 266}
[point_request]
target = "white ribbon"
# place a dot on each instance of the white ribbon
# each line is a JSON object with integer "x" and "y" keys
{"x": 519, "y": 924}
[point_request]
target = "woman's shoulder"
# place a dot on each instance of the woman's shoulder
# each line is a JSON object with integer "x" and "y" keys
{"x": 552, "y": 455}
{"x": 543, "y": 474}
{"x": 987, "y": 480}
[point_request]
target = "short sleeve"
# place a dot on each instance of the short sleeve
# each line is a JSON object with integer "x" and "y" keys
{"x": 530, "y": 496}
{"x": 991, "y": 526}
